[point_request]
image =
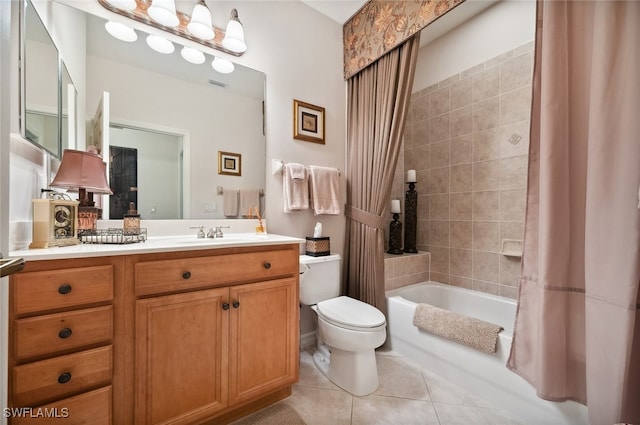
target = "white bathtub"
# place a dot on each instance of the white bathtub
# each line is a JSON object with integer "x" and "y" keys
{"x": 480, "y": 373}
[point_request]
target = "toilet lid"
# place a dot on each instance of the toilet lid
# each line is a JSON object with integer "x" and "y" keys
{"x": 350, "y": 313}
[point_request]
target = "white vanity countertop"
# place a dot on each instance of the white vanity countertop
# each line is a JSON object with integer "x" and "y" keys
{"x": 155, "y": 244}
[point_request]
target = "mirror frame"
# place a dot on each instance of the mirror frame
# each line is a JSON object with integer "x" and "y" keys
{"x": 60, "y": 76}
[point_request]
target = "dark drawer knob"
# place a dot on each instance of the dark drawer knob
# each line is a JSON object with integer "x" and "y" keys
{"x": 267, "y": 265}
{"x": 236, "y": 304}
{"x": 64, "y": 378}
{"x": 65, "y": 333}
{"x": 64, "y": 289}
{"x": 225, "y": 306}
{"x": 186, "y": 275}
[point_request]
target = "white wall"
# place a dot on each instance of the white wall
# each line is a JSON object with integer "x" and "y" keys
{"x": 158, "y": 169}
{"x": 300, "y": 51}
{"x": 502, "y": 27}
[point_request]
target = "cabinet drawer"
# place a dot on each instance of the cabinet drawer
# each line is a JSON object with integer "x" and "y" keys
{"x": 55, "y": 333}
{"x": 57, "y": 289}
{"x": 153, "y": 277}
{"x": 92, "y": 408}
{"x": 39, "y": 382}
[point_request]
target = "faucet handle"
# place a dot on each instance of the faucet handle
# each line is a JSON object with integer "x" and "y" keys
{"x": 218, "y": 231}
{"x": 200, "y": 232}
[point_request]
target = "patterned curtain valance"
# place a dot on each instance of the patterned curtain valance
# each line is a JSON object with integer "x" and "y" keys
{"x": 381, "y": 25}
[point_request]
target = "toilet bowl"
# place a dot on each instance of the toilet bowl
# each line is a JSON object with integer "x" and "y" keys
{"x": 348, "y": 330}
{"x": 350, "y": 360}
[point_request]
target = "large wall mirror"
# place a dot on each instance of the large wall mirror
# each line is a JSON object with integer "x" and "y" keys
{"x": 48, "y": 94}
{"x": 40, "y": 118}
{"x": 166, "y": 121}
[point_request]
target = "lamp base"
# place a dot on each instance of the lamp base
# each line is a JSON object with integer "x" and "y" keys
{"x": 395, "y": 251}
{"x": 88, "y": 220}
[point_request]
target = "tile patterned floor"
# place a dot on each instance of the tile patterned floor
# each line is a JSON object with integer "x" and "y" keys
{"x": 407, "y": 395}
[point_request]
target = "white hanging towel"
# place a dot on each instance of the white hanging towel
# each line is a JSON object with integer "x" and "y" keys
{"x": 249, "y": 201}
{"x": 230, "y": 201}
{"x": 325, "y": 190}
{"x": 296, "y": 191}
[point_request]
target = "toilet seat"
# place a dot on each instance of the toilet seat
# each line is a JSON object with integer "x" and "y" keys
{"x": 349, "y": 313}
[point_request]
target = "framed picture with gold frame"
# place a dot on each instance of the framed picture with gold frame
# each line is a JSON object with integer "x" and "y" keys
{"x": 229, "y": 163}
{"x": 308, "y": 122}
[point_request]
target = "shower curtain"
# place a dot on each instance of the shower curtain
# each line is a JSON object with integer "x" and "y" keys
{"x": 577, "y": 333}
{"x": 377, "y": 103}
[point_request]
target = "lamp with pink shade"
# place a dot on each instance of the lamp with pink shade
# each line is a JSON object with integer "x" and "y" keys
{"x": 86, "y": 173}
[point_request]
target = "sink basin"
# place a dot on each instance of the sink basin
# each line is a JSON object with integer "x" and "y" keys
{"x": 227, "y": 238}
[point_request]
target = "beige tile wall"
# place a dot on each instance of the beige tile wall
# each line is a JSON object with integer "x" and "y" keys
{"x": 405, "y": 269}
{"x": 468, "y": 139}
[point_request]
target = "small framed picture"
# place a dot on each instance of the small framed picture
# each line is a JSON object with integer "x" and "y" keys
{"x": 308, "y": 122}
{"x": 229, "y": 163}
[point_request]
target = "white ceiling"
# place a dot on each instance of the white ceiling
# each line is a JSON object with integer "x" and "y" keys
{"x": 338, "y": 10}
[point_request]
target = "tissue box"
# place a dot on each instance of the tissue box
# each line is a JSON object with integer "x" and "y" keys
{"x": 317, "y": 247}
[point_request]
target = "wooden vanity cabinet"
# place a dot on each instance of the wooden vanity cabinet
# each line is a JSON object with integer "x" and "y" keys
{"x": 61, "y": 333}
{"x": 216, "y": 333}
{"x": 188, "y": 337}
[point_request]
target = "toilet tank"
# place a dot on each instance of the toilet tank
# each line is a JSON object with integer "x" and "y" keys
{"x": 319, "y": 278}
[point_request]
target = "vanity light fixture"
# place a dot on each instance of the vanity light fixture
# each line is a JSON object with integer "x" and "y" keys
{"x": 121, "y": 31}
{"x": 200, "y": 23}
{"x": 159, "y": 44}
{"x": 234, "y": 36}
{"x": 223, "y": 66}
{"x": 192, "y": 55}
{"x": 164, "y": 12}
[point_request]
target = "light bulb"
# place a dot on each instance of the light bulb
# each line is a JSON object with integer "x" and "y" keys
{"x": 200, "y": 24}
{"x": 234, "y": 35}
{"x": 160, "y": 45}
{"x": 223, "y": 66}
{"x": 192, "y": 55}
{"x": 121, "y": 31}
{"x": 164, "y": 12}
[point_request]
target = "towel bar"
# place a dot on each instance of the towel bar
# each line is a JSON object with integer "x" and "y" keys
{"x": 277, "y": 165}
{"x": 220, "y": 191}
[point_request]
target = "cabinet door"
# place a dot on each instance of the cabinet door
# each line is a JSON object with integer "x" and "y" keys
{"x": 264, "y": 338}
{"x": 181, "y": 347}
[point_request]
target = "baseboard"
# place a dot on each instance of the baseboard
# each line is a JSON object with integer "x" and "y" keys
{"x": 308, "y": 340}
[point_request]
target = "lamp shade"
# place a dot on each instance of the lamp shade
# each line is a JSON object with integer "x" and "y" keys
{"x": 82, "y": 170}
{"x": 121, "y": 31}
{"x": 200, "y": 23}
{"x": 164, "y": 12}
{"x": 192, "y": 55}
{"x": 159, "y": 44}
{"x": 223, "y": 66}
{"x": 234, "y": 35}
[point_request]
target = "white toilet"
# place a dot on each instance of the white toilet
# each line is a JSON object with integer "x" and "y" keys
{"x": 349, "y": 330}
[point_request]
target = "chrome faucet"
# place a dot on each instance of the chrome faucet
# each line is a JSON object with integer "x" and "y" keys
{"x": 200, "y": 232}
{"x": 217, "y": 233}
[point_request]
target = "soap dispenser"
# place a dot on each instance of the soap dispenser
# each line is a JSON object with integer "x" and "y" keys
{"x": 131, "y": 222}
